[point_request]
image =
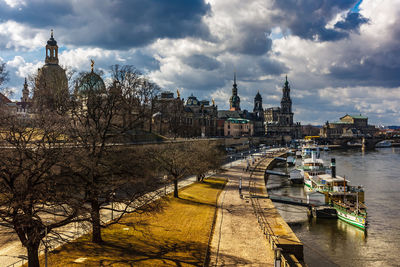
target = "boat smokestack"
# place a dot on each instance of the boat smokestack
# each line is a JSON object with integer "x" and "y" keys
{"x": 333, "y": 167}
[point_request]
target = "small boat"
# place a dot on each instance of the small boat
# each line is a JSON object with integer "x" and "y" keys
{"x": 295, "y": 177}
{"x": 385, "y": 143}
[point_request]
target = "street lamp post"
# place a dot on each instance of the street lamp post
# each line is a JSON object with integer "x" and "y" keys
{"x": 165, "y": 184}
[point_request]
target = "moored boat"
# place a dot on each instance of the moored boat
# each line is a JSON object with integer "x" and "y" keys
{"x": 347, "y": 200}
{"x": 385, "y": 143}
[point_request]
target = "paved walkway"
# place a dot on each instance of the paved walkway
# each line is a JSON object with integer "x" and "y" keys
{"x": 238, "y": 239}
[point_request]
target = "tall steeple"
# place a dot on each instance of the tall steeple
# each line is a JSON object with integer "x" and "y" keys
{"x": 234, "y": 101}
{"x": 25, "y": 92}
{"x": 286, "y": 102}
{"x": 51, "y": 51}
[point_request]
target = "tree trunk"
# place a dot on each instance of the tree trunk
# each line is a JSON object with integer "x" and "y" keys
{"x": 176, "y": 188}
{"x": 95, "y": 214}
{"x": 33, "y": 255}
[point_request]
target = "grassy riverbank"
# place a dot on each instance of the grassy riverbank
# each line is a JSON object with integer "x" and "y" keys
{"x": 177, "y": 236}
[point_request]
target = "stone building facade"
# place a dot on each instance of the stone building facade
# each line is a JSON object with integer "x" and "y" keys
{"x": 348, "y": 126}
{"x": 238, "y": 127}
{"x": 176, "y": 117}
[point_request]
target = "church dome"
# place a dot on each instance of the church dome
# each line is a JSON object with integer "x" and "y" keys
{"x": 51, "y": 86}
{"x": 52, "y": 41}
{"x": 192, "y": 101}
{"x": 90, "y": 83}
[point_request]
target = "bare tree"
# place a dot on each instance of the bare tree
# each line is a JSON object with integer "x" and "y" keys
{"x": 208, "y": 157}
{"x": 35, "y": 198}
{"x": 100, "y": 116}
{"x": 181, "y": 159}
{"x": 136, "y": 95}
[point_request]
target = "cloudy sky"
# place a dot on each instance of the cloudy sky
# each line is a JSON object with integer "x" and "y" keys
{"x": 341, "y": 56}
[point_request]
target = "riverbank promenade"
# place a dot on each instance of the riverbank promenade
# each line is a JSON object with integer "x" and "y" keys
{"x": 241, "y": 236}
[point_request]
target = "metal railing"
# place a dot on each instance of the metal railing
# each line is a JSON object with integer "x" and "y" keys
{"x": 280, "y": 258}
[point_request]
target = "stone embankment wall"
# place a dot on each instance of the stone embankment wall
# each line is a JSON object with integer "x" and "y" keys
{"x": 280, "y": 236}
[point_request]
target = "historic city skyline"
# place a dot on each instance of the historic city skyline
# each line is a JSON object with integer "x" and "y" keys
{"x": 340, "y": 57}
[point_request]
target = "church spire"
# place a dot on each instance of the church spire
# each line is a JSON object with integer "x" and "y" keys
{"x": 25, "y": 92}
{"x": 286, "y": 102}
{"x": 234, "y": 101}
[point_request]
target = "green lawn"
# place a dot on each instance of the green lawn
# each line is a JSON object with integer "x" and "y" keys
{"x": 176, "y": 236}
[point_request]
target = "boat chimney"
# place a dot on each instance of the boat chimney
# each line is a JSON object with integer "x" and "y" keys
{"x": 333, "y": 167}
{"x": 313, "y": 156}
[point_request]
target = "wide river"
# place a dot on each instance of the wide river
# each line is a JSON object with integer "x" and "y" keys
{"x": 330, "y": 242}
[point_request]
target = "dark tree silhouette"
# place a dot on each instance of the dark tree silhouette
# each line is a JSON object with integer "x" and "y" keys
{"x": 34, "y": 197}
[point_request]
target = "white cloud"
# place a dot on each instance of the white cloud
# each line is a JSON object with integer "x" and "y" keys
{"x": 15, "y": 3}
{"x": 21, "y": 68}
{"x": 14, "y": 35}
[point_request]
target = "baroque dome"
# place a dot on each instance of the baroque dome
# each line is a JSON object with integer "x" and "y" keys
{"x": 91, "y": 83}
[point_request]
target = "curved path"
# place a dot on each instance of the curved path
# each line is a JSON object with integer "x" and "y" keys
{"x": 237, "y": 238}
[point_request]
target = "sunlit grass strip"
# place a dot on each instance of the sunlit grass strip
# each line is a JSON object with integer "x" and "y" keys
{"x": 177, "y": 236}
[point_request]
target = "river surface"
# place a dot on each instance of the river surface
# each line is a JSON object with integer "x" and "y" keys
{"x": 331, "y": 242}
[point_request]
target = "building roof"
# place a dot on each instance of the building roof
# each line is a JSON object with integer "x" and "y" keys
{"x": 238, "y": 120}
{"x": 242, "y": 114}
{"x": 341, "y": 122}
{"x": 4, "y": 99}
{"x": 359, "y": 116}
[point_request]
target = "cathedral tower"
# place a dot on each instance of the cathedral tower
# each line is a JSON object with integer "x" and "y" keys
{"x": 51, "y": 83}
{"x": 286, "y": 116}
{"x": 286, "y": 102}
{"x": 234, "y": 101}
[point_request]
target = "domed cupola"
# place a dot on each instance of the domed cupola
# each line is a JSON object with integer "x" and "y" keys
{"x": 51, "y": 51}
{"x": 91, "y": 83}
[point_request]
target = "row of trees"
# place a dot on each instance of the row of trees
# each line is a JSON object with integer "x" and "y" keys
{"x": 66, "y": 165}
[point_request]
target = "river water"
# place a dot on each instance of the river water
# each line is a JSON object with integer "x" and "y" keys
{"x": 331, "y": 242}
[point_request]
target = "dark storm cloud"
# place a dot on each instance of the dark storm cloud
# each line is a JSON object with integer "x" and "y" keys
{"x": 37, "y": 13}
{"x": 114, "y": 24}
{"x": 308, "y": 19}
{"x": 202, "y": 62}
{"x": 373, "y": 71}
{"x": 353, "y": 21}
{"x": 252, "y": 42}
{"x": 271, "y": 67}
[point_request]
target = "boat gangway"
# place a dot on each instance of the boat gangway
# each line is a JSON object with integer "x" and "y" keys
{"x": 297, "y": 201}
{"x": 277, "y": 173}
